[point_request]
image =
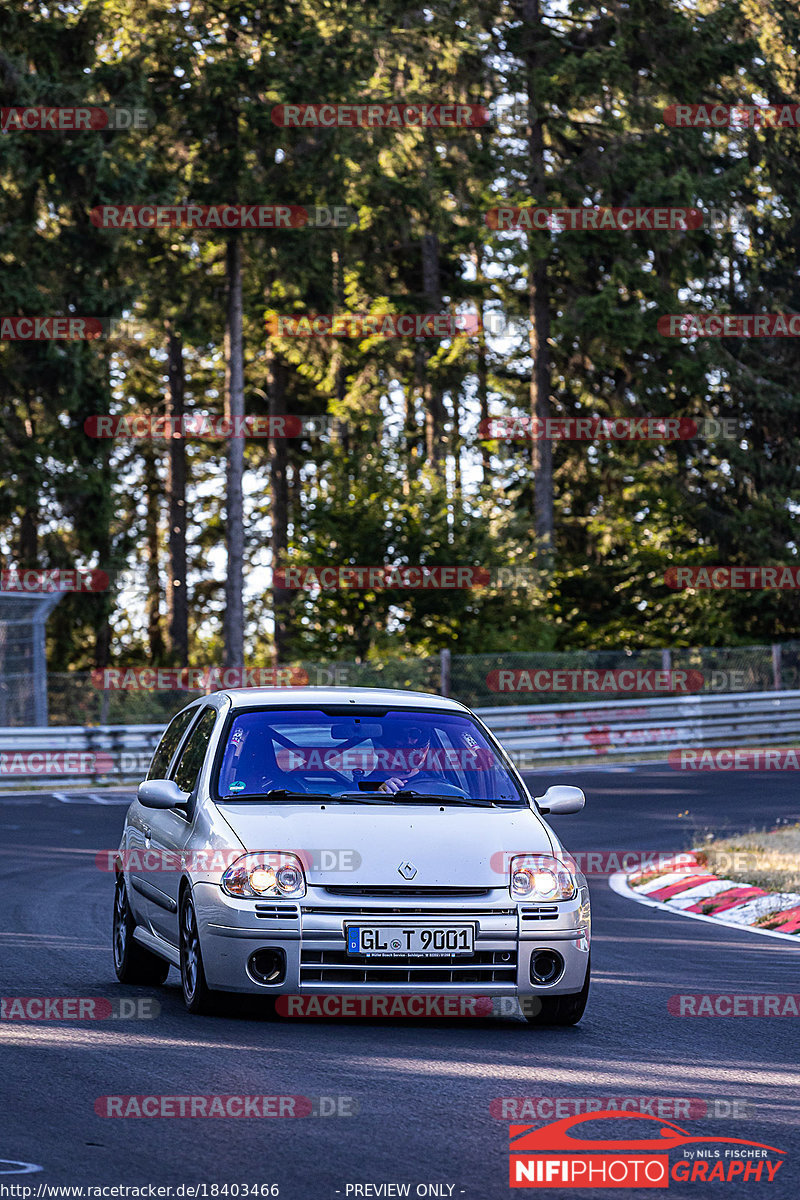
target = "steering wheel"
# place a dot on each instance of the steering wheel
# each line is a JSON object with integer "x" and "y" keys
{"x": 433, "y": 787}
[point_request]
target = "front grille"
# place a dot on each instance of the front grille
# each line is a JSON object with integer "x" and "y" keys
{"x": 336, "y": 967}
{"x": 407, "y": 891}
{"x": 539, "y": 914}
{"x": 277, "y": 912}
{"x": 455, "y": 914}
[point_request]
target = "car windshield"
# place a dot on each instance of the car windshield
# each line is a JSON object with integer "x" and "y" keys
{"x": 397, "y": 756}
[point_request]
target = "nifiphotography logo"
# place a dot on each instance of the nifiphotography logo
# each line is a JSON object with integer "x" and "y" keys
{"x": 555, "y": 1156}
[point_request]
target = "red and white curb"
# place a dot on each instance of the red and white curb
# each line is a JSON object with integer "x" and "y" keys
{"x": 692, "y": 891}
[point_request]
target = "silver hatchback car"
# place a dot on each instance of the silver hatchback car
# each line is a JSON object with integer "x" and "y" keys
{"x": 345, "y": 842}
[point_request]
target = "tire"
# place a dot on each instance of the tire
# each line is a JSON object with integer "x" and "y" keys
{"x": 558, "y": 1010}
{"x": 133, "y": 963}
{"x": 197, "y": 996}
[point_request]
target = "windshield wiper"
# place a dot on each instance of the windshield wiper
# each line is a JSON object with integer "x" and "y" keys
{"x": 284, "y": 794}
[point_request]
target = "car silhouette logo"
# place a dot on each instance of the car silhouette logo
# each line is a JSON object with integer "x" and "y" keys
{"x": 407, "y": 870}
{"x": 557, "y": 1137}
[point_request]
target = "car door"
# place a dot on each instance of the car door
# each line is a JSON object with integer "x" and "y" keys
{"x": 139, "y": 820}
{"x": 170, "y": 830}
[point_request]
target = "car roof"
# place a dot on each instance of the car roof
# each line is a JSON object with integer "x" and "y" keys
{"x": 386, "y": 697}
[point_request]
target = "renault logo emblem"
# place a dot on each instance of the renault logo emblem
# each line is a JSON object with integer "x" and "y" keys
{"x": 407, "y": 870}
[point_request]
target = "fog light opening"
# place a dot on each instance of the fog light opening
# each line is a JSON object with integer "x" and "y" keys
{"x": 267, "y": 966}
{"x": 546, "y": 966}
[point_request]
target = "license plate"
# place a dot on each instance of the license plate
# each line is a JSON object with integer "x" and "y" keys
{"x": 401, "y": 941}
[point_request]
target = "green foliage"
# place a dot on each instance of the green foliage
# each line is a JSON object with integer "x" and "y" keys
{"x": 391, "y": 481}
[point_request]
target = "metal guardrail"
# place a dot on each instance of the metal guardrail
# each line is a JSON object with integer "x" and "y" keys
{"x": 534, "y": 736}
{"x": 65, "y": 754}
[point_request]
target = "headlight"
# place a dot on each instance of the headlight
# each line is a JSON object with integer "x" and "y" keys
{"x": 541, "y": 877}
{"x": 270, "y": 874}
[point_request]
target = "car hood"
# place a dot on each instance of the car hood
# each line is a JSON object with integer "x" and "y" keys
{"x": 364, "y": 845}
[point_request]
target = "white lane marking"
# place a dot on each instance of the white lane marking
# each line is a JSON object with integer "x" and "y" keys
{"x": 67, "y": 798}
{"x": 17, "y": 1168}
{"x": 619, "y": 884}
{"x": 90, "y": 798}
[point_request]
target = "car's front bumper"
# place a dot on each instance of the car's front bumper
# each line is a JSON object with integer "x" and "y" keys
{"x": 311, "y": 933}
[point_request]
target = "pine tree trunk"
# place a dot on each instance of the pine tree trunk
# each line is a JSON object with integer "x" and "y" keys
{"x": 152, "y": 489}
{"x": 279, "y": 508}
{"x": 458, "y": 494}
{"x": 434, "y": 402}
{"x": 538, "y": 293}
{"x": 233, "y": 624}
{"x": 28, "y": 541}
{"x": 104, "y": 602}
{"x": 482, "y": 371}
{"x": 177, "y": 596}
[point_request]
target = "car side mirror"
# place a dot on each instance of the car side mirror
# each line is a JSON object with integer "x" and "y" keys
{"x": 560, "y": 800}
{"x": 161, "y": 793}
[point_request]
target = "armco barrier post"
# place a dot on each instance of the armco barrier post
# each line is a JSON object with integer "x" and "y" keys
{"x": 776, "y": 666}
{"x": 93, "y": 743}
{"x": 444, "y": 673}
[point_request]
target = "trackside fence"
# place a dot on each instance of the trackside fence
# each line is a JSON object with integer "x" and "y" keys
{"x": 534, "y": 736}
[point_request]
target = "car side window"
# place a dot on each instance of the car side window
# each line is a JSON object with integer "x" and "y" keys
{"x": 169, "y": 743}
{"x": 188, "y": 766}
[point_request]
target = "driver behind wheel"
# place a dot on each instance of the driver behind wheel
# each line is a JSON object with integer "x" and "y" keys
{"x": 410, "y": 759}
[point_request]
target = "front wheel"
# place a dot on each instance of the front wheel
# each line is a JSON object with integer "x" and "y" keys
{"x": 132, "y": 962}
{"x": 197, "y": 996}
{"x": 557, "y": 1010}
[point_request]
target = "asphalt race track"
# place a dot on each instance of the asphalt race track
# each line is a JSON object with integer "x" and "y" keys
{"x": 423, "y": 1088}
